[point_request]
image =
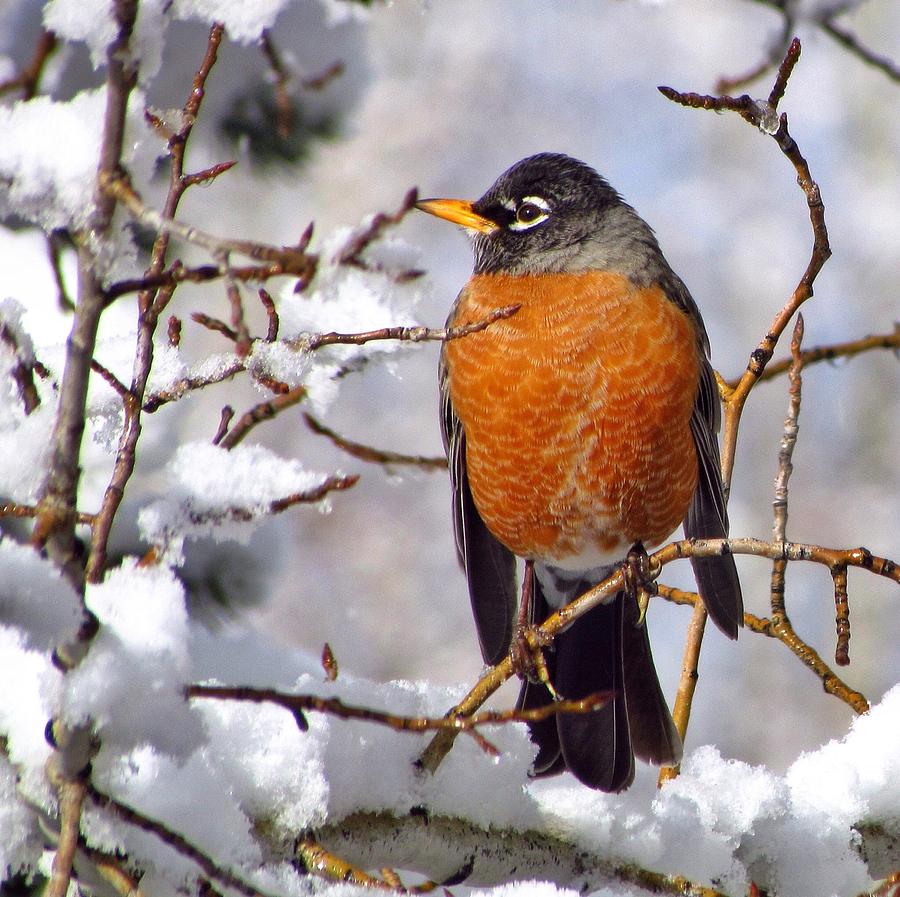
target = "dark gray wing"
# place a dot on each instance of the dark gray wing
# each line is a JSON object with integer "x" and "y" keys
{"x": 489, "y": 565}
{"x": 707, "y": 517}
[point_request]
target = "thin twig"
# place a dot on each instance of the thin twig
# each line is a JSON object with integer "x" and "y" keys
{"x": 13, "y": 509}
{"x": 299, "y": 704}
{"x": 71, "y": 800}
{"x": 284, "y": 108}
{"x": 22, "y": 371}
{"x": 175, "y": 840}
{"x": 182, "y": 387}
{"x": 151, "y": 304}
{"x": 763, "y": 115}
{"x": 112, "y": 380}
{"x": 54, "y": 256}
{"x": 29, "y": 78}
{"x": 214, "y": 324}
{"x": 268, "y": 303}
{"x": 851, "y": 42}
{"x": 831, "y": 683}
{"x": 849, "y": 349}
{"x": 314, "y": 341}
{"x": 289, "y": 259}
{"x": 262, "y": 412}
{"x": 374, "y": 455}
{"x": 544, "y": 634}
{"x": 224, "y": 421}
{"x": 785, "y": 469}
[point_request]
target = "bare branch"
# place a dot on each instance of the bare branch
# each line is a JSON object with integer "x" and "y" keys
{"x": 173, "y": 839}
{"x": 314, "y": 341}
{"x": 851, "y": 42}
{"x": 22, "y": 371}
{"x": 284, "y": 109}
{"x": 261, "y": 412}
{"x": 428, "y": 843}
{"x": 368, "y": 453}
{"x": 890, "y": 341}
{"x": 831, "y": 683}
{"x": 28, "y": 79}
{"x": 151, "y": 305}
{"x": 544, "y": 634}
{"x": 299, "y": 704}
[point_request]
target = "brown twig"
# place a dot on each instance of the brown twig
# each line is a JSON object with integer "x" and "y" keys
{"x": 284, "y": 108}
{"x": 293, "y": 265}
{"x": 29, "y": 78}
{"x": 685, "y": 548}
{"x": 774, "y": 56}
{"x": 244, "y": 515}
{"x": 112, "y": 380}
{"x": 785, "y": 469}
{"x": 53, "y": 242}
{"x": 54, "y": 528}
{"x": 352, "y": 252}
{"x": 374, "y": 455}
{"x": 22, "y": 371}
{"x": 224, "y": 421}
{"x": 314, "y": 341}
{"x": 323, "y": 78}
{"x": 262, "y": 412}
{"x": 300, "y": 704}
{"x": 180, "y": 389}
{"x": 71, "y": 799}
{"x": 889, "y": 341}
{"x": 831, "y": 683}
{"x": 268, "y": 303}
{"x": 173, "y": 839}
{"x": 851, "y": 42}
{"x": 763, "y": 115}
{"x": 214, "y": 324}
{"x": 151, "y": 304}
{"x": 286, "y": 259}
{"x": 13, "y": 509}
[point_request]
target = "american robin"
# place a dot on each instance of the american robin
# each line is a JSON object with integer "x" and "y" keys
{"x": 582, "y": 425}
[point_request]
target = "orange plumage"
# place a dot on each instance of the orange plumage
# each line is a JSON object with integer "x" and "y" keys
{"x": 576, "y": 411}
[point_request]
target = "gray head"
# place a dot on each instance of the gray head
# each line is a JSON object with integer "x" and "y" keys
{"x": 549, "y": 213}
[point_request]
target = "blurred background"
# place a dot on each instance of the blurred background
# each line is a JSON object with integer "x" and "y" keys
{"x": 444, "y": 96}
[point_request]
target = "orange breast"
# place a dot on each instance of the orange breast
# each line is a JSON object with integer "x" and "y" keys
{"x": 576, "y": 412}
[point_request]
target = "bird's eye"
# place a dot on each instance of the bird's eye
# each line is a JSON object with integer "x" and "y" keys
{"x": 530, "y": 211}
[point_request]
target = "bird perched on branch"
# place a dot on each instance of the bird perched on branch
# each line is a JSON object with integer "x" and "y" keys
{"x": 578, "y": 429}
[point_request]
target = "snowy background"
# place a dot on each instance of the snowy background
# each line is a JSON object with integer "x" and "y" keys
{"x": 444, "y": 96}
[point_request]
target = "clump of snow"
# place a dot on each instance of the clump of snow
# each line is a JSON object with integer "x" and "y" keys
{"x": 50, "y": 188}
{"x": 142, "y": 648}
{"x": 35, "y": 598}
{"x": 243, "y": 21}
{"x": 33, "y": 687}
{"x": 221, "y": 493}
{"x": 93, "y": 22}
{"x": 21, "y": 844}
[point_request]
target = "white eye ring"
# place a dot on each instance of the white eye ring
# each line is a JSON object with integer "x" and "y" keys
{"x": 532, "y": 203}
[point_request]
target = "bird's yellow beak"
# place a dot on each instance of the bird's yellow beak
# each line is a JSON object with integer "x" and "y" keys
{"x": 460, "y": 212}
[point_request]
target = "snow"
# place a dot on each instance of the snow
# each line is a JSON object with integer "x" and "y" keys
{"x": 217, "y": 492}
{"x": 213, "y": 770}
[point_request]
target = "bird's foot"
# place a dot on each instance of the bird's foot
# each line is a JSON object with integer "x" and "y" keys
{"x": 640, "y": 579}
{"x": 526, "y": 650}
{"x": 528, "y": 659}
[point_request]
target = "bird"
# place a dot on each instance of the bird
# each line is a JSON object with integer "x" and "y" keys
{"x": 578, "y": 429}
